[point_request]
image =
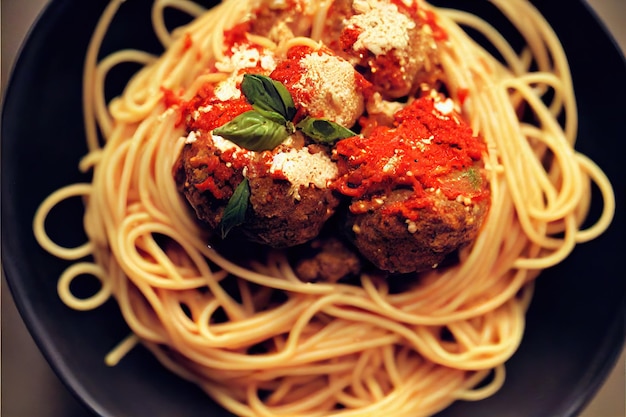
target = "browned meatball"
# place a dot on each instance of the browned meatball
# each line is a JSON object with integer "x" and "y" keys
{"x": 327, "y": 259}
{"x": 279, "y": 213}
{"x": 278, "y": 220}
{"x": 392, "y": 44}
{"x": 394, "y": 245}
{"x": 205, "y": 192}
{"x": 281, "y": 20}
{"x": 418, "y": 191}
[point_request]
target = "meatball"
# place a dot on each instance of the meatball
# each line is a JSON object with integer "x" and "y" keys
{"x": 279, "y": 220}
{"x": 327, "y": 259}
{"x": 418, "y": 191}
{"x": 395, "y": 244}
{"x": 393, "y": 44}
{"x": 284, "y": 209}
{"x": 282, "y": 20}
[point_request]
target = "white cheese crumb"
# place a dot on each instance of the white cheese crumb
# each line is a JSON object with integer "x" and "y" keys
{"x": 411, "y": 226}
{"x": 303, "y": 168}
{"x": 268, "y": 63}
{"x": 392, "y": 162}
{"x": 243, "y": 56}
{"x": 383, "y": 26}
{"x": 464, "y": 199}
{"x": 227, "y": 89}
{"x": 204, "y": 109}
{"x": 191, "y": 137}
{"x": 376, "y": 105}
{"x": 224, "y": 144}
{"x": 445, "y": 107}
{"x": 333, "y": 79}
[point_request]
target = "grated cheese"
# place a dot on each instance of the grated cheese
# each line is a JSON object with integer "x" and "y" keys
{"x": 191, "y": 137}
{"x": 445, "y": 107}
{"x": 383, "y": 26}
{"x": 224, "y": 144}
{"x": 333, "y": 79}
{"x": 167, "y": 113}
{"x": 376, "y": 105}
{"x": 243, "y": 56}
{"x": 303, "y": 168}
{"x": 227, "y": 89}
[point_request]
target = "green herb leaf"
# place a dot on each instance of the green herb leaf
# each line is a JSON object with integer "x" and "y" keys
{"x": 252, "y": 130}
{"x": 324, "y": 131}
{"x": 273, "y": 116}
{"x": 474, "y": 178}
{"x": 235, "y": 211}
{"x": 266, "y": 94}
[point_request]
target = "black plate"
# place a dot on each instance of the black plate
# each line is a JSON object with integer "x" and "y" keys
{"x": 576, "y": 323}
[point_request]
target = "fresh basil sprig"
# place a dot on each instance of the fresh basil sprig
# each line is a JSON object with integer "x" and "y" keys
{"x": 323, "y": 130}
{"x": 252, "y": 130}
{"x": 268, "y": 95}
{"x": 235, "y": 211}
{"x": 270, "y": 123}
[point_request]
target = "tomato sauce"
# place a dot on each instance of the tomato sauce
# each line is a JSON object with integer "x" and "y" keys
{"x": 290, "y": 72}
{"x": 215, "y": 113}
{"x": 425, "y": 150}
{"x": 187, "y": 42}
{"x": 410, "y": 10}
{"x": 236, "y": 36}
{"x": 429, "y": 18}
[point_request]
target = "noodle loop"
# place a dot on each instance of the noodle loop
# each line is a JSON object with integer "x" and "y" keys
{"x": 258, "y": 339}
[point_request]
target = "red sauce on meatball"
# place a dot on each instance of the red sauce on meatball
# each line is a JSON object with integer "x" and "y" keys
{"x": 425, "y": 150}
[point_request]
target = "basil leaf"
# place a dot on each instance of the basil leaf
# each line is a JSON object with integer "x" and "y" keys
{"x": 235, "y": 211}
{"x": 324, "y": 131}
{"x": 273, "y": 116}
{"x": 253, "y": 131}
{"x": 266, "y": 94}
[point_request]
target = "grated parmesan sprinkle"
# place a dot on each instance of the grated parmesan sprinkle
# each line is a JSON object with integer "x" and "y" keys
{"x": 227, "y": 89}
{"x": 191, "y": 137}
{"x": 383, "y": 27}
{"x": 243, "y": 56}
{"x": 303, "y": 168}
{"x": 445, "y": 107}
{"x": 333, "y": 79}
{"x": 224, "y": 144}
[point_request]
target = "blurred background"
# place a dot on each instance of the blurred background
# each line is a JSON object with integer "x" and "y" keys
{"x": 31, "y": 389}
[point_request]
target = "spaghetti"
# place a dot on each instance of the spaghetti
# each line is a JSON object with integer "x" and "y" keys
{"x": 255, "y": 337}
